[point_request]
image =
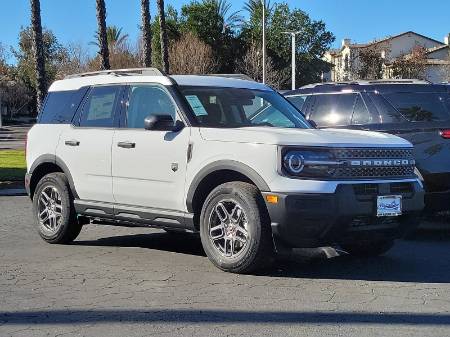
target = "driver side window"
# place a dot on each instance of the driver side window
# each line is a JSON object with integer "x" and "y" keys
{"x": 146, "y": 100}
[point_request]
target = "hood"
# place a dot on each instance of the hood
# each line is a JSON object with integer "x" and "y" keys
{"x": 303, "y": 137}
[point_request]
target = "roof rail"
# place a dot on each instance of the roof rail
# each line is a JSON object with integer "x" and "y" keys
{"x": 235, "y": 76}
{"x": 368, "y": 82}
{"x": 121, "y": 72}
{"x": 399, "y": 80}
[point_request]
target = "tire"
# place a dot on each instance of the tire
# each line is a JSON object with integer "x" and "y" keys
{"x": 53, "y": 196}
{"x": 235, "y": 228}
{"x": 368, "y": 249}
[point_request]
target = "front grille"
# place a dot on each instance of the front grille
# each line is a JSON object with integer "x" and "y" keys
{"x": 382, "y": 170}
{"x": 373, "y": 153}
{"x": 364, "y": 222}
{"x": 374, "y": 172}
{"x": 402, "y": 188}
{"x": 365, "y": 189}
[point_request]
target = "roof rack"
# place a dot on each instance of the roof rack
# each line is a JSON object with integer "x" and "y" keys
{"x": 235, "y": 76}
{"x": 369, "y": 82}
{"x": 122, "y": 72}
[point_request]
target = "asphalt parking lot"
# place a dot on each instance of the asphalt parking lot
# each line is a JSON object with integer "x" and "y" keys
{"x": 144, "y": 282}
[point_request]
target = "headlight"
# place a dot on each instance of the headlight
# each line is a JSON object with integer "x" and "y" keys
{"x": 308, "y": 163}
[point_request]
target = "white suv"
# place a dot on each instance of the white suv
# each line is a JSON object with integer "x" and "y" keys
{"x": 226, "y": 157}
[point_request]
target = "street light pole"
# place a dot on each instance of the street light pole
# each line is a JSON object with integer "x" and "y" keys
{"x": 264, "y": 42}
{"x": 293, "y": 35}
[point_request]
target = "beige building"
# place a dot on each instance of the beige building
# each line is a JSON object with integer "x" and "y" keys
{"x": 345, "y": 60}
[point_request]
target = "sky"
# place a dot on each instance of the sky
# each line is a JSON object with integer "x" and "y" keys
{"x": 359, "y": 20}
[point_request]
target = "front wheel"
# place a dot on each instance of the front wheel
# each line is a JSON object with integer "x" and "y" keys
{"x": 367, "y": 249}
{"x": 54, "y": 211}
{"x": 235, "y": 228}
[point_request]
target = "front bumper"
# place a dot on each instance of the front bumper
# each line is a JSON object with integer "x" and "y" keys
{"x": 345, "y": 216}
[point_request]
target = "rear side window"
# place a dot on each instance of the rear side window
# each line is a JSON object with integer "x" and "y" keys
{"x": 361, "y": 115}
{"x": 298, "y": 101}
{"x": 387, "y": 112}
{"x": 60, "y": 106}
{"x": 418, "y": 107}
{"x": 333, "y": 109}
{"x": 100, "y": 107}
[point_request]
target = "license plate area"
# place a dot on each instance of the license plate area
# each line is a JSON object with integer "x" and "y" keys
{"x": 389, "y": 205}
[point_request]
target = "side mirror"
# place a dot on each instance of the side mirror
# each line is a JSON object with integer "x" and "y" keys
{"x": 162, "y": 123}
{"x": 313, "y": 124}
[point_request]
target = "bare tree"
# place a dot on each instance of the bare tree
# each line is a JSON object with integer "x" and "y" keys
{"x": 366, "y": 63}
{"x": 74, "y": 59}
{"x": 251, "y": 65}
{"x": 103, "y": 39}
{"x": 189, "y": 55}
{"x": 412, "y": 65}
{"x": 146, "y": 33}
{"x": 163, "y": 36}
{"x": 38, "y": 50}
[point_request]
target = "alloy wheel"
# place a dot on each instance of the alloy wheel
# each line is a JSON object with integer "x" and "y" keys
{"x": 50, "y": 210}
{"x": 228, "y": 228}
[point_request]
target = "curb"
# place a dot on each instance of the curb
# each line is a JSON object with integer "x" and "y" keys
{"x": 10, "y": 192}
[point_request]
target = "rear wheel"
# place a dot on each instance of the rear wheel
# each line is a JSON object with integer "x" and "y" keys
{"x": 235, "y": 228}
{"x": 54, "y": 211}
{"x": 367, "y": 249}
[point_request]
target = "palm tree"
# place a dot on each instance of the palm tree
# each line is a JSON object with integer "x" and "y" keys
{"x": 254, "y": 6}
{"x": 103, "y": 39}
{"x": 114, "y": 38}
{"x": 230, "y": 20}
{"x": 38, "y": 49}
{"x": 146, "y": 33}
{"x": 163, "y": 36}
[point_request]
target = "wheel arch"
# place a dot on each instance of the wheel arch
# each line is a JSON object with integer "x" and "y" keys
{"x": 217, "y": 173}
{"x": 46, "y": 164}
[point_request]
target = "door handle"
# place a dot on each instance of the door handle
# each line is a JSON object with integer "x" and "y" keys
{"x": 126, "y": 145}
{"x": 72, "y": 142}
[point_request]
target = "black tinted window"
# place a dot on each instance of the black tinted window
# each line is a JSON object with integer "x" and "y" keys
{"x": 99, "y": 109}
{"x": 60, "y": 106}
{"x": 387, "y": 113}
{"x": 361, "y": 115}
{"x": 298, "y": 101}
{"x": 146, "y": 100}
{"x": 416, "y": 106}
{"x": 333, "y": 109}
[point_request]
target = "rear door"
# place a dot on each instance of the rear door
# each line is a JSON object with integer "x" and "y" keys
{"x": 85, "y": 146}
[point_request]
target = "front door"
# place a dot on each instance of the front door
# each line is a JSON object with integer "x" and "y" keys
{"x": 149, "y": 166}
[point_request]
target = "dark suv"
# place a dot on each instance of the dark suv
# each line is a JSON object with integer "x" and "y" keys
{"x": 415, "y": 110}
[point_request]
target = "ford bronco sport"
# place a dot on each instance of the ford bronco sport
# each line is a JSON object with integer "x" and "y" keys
{"x": 229, "y": 158}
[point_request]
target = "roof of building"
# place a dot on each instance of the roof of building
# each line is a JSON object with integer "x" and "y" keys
{"x": 385, "y": 39}
{"x": 437, "y": 48}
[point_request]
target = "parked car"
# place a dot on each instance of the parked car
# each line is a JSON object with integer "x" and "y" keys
{"x": 414, "y": 110}
{"x": 228, "y": 158}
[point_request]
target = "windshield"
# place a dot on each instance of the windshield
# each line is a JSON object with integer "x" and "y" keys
{"x": 220, "y": 107}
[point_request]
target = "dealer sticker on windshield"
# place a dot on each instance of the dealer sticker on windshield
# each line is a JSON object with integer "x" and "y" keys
{"x": 389, "y": 205}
